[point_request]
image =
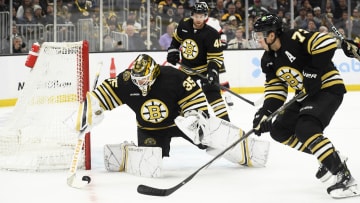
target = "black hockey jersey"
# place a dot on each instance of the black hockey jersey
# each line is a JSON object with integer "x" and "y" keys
{"x": 198, "y": 47}
{"x": 173, "y": 92}
{"x": 300, "y": 49}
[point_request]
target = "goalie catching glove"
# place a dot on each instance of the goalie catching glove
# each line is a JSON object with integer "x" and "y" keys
{"x": 88, "y": 114}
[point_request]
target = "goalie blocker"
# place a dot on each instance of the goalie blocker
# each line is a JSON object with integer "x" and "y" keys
{"x": 139, "y": 161}
{"x": 218, "y": 134}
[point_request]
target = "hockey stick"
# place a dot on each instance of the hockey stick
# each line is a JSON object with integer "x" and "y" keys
{"x": 72, "y": 181}
{"x": 147, "y": 190}
{"x": 220, "y": 86}
{"x": 336, "y": 31}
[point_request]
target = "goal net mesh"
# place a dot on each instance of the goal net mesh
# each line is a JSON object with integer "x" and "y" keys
{"x": 35, "y": 137}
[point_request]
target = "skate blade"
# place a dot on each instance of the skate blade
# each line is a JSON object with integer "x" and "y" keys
{"x": 350, "y": 191}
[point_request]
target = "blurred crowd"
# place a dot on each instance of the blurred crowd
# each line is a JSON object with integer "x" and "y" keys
{"x": 128, "y": 26}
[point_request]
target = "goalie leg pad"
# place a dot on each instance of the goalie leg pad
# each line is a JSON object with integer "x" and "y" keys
{"x": 139, "y": 161}
{"x": 251, "y": 152}
{"x": 218, "y": 134}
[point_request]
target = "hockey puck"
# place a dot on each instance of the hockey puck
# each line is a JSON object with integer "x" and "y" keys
{"x": 86, "y": 178}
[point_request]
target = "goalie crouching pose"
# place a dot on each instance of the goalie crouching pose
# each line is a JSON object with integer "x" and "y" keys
{"x": 159, "y": 96}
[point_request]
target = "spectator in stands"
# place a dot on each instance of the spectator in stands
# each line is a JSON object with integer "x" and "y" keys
{"x": 164, "y": 5}
{"x": 180, "y": 13}
{"x": 257, "y": 9}
{"x": 132, "y": 20}
{"x": 317, "y": 16}
{"x": 153, "y": 44}
{"x": 310, "y": 17}
{"x": 270, "y": 5}
{"x": 284, "y": 5}
{"x": 239, "y": 8}
{"x": 50, "y": 15}
{"x": 113, "y": 27}
{"x": 343, "y": 22}
{"x": 3, "y": 6}
{"x": 238, "y": 42}
{"x": 134, "y": 40}
{"x": 231, "y": 12}
{"x": 165, "y": 39}
{"x": 355, "y": 22}
{"x": 113, "y": 21}
{"x": 38, "y": 15}
{"x": 21, "y": 10}
{"x": 300, "y": 20}
{"x": 219, "y": 10}
{"x": 311, "y": 26}
{"x": 339, "y": 7}
{"x": 306, "y": 4}
{"x": 81, "y": 9}
{"x": 18, "y": 46}
{"x": 167, "y": 10}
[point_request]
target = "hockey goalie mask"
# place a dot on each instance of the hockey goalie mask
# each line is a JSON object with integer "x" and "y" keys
{"x": 144, "y": 73}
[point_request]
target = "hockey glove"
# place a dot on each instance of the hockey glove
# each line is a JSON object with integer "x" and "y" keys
{"x": 260, "y": 122}
{"x": 312, "y": 81}
{"x": 173, "y": 56}
{"x": 349, "y": 47}
{"x": 212, "y": 75}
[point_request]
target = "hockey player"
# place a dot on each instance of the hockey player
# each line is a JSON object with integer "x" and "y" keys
{"x": 161, "y": 96}
{"x": 303, "y": 61}
{"x": 202, "y": 51}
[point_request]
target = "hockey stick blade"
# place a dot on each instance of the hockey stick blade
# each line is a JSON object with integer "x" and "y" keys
{"x": 217, "y": 84}
{"x": 148, "y": 190}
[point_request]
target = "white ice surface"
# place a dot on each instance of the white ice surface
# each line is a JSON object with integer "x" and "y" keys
{"x": 288, "y": 177}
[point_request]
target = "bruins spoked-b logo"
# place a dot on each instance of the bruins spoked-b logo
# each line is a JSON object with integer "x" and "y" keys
{"x": 292, "y": 76}
{"x": 154, "y": 111}
{"x": 190, "y": 49}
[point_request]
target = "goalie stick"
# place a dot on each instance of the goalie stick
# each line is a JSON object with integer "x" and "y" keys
{"x": 148, "y": 190}
{"x": 336, "y": 31}
{"x": 257, "y": 103}
{"x": 72, "y": 181}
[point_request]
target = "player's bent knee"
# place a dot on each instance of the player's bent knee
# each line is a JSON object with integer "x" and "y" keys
{"x": 139, "y": 161}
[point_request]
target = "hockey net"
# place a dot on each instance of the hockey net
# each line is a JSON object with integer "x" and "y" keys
{"x": 35, "y": 138}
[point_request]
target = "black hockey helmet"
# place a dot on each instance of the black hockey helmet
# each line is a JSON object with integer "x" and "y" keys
{"x": 144, "y": 72}
{"x": 200, "y": 7}
{"x": 268, "y": 23}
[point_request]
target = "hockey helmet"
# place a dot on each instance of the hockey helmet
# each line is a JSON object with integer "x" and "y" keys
{"x": 144, "y": 72}
{"x": 268, "y": 23}
{"x": 201, "y": 8}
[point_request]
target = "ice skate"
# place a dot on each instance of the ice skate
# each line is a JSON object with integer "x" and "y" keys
{"x": 345, "y": 185}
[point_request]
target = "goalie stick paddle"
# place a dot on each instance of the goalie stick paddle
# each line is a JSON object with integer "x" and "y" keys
{"x": 219, "y": 85}
{"x": 148, "y": 190}
{"x": 71, "y": 180}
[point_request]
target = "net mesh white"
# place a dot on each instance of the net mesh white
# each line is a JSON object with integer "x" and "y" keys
{"x": 35, "y": 138}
